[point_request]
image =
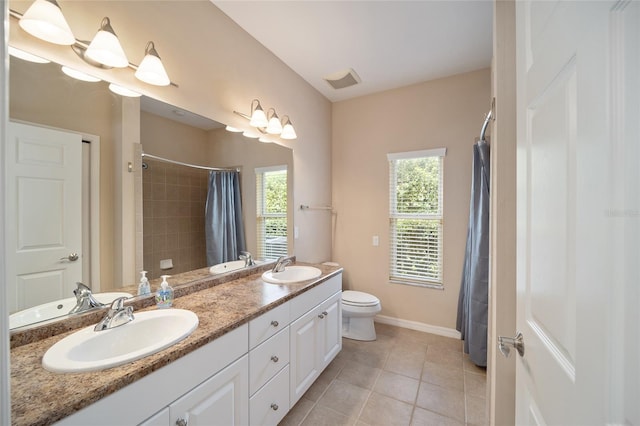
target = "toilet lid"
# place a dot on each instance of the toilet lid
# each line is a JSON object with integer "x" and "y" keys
{"x": 359, "y": 298}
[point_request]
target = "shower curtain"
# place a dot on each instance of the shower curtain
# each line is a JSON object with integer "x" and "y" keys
{"x": 224, "y": 229}
{"x": 473, "y": 298}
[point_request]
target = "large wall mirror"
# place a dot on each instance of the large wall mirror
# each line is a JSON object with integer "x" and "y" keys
{"x": 170, "y": 196}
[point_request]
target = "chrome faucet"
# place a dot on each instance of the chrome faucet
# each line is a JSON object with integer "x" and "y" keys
{"x": 117, "y": 315}
{"x": 281, "y": 263}
{"x": 248, "y": 259}
{"x": 85, "y": 300}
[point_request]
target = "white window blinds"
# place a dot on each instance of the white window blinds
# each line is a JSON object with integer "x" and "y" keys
{"x": 415, "y": 217}
{"x": 271, "y": 218}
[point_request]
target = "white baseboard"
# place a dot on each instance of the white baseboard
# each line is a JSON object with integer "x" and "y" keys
{"x": 418, "y": 326}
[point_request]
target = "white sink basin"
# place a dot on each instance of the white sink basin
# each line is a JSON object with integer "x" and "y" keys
{"x": 292, "y": 274}
{"x": 56, "y": 309}
{"x": 148, "y": 333}
{"x": 232, "y": 265}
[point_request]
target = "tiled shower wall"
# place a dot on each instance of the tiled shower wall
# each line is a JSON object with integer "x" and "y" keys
{"x": 174, "y": 199}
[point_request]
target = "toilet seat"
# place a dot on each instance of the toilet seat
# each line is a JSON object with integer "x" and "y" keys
{"x": 359, "y": 298}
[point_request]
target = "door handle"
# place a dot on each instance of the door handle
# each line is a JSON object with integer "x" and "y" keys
{"x": 71, "y": 258}
{"x": 506, "y": 343}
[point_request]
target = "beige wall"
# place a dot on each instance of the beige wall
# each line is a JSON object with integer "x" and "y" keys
{"x": 219, "y": 68}
{"x": 442, "y": 113}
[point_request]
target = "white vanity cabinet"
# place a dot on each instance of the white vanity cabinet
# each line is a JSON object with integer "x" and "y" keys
{"x": 220, "y": 400}
{"x": 315, "y": 335}
{"x": 251, "y": 375}
{"x": 269, "y": 366}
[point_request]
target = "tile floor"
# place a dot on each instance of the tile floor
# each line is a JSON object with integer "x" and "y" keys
{"x": 405, "y": 377}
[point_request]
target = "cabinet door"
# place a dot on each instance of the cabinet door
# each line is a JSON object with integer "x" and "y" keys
{"x": 222, "y": 399}
{"x": 330, "y": 329}
{"x": 305, "y": 349}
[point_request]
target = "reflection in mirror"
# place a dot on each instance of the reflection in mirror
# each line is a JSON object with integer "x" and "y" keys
{"x": 40, "y": 94}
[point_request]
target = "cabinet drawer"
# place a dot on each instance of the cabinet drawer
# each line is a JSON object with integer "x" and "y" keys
{"x": 267, "y": 359}
{"x": 270, "y": 404}
{"x": 308, "y": 300}
{"x": 268, "y": 324}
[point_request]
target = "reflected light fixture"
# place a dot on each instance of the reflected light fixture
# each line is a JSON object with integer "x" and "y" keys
{"x": 274, "y": 127}
{"x": 232, "y": 129}
{"x": 79, "y": 75}
{"x": 151, "y": 69}
{"x": 288, "y": 132}
{"x": 44, "y": 20}
{"x": 105, "y": 47}
{"x": 17, "y": 53}
{"x": 123, "y": 91}
{"x": 258, "y": 117}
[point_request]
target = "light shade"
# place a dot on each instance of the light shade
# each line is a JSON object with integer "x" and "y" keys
{"x": 105, "y": 47}
{"x": 44, "y": 20}
{"x": 232, "y": 129}
{"x": 288, "y": 132}
{"x": 251, "y": 135}
{"x": 258, "y": 117}
{"x": 264, "y": 139}
{"x": 274, "y": 127}
{"x": 79, "y": 75}
{"x": 151, "y": 69}
{"x": 123, "y": 91}
{"x": 27, "y": 56}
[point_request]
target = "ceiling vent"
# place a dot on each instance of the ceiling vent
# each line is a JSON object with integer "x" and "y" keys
{"x": 342, "y": 79}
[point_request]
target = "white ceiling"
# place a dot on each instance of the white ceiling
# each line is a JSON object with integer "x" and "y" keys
{"x": 388, "y": 43}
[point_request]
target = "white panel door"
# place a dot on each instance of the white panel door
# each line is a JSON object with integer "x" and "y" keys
{"x": 331, "y": 328}
{"x": 567, "y": 248}
{"x": 221, "y": 400}
{"x": 44, "y": 214}
{"x": 306, "y": 352}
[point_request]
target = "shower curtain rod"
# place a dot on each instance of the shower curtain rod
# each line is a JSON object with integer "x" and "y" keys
{"x": 485, "y": 124}
{"x": 215, "y": 169}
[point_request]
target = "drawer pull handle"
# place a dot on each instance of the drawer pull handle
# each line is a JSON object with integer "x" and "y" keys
{"x": 181, "y": 422}
{"x": 275, "y": 323}
{"x": 325, "y": 313}
{"x": 274, "y": 406}
{"x": 275, "y": 358}
{"x": 320, "y": 316}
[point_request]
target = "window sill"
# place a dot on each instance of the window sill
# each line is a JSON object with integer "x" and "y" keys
{"x": 414, "y": 284}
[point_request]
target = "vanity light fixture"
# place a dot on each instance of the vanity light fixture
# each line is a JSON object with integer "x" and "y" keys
{"x": 258, "y": 117}
{"x": 44, "y": 20}
{"x": 269, "y": 123}
{"x": 123, "y": 91}
{"x": 151, "y": 69}
{"x": 105, "y": 47}
{"x": 79, "y": 75}
{"x": 288, "y": 132}
{"x": 17, "y": 53}
{"x": 232, "y": 129}
{"x": 264, "y": 139}
{"x": 274, "y": 127}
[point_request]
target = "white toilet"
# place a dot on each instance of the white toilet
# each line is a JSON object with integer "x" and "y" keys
{"x": 358, "y": 310}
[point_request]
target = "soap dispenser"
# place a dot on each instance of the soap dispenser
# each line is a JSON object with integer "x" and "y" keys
{"x": 164, "y": 295}
{"x": 144, "y": 287}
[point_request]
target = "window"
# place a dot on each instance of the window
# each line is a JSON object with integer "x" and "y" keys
{"x": 271, "y": 223}
{"x": 415, "y": 217}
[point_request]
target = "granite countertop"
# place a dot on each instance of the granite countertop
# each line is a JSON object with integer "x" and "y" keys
{"x": 39, "y": 397}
